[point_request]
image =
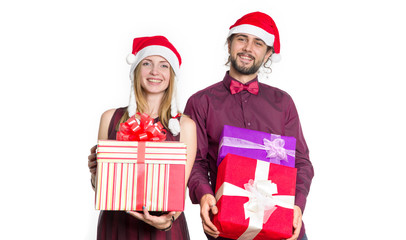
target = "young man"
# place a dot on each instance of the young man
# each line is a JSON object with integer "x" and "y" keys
{"x": 240, "y": 100}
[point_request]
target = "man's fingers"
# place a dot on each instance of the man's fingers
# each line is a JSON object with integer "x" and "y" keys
{"x": 214, "y": 210}
{"x": 209, "y": 231}
{"x": 297, "y": 222}
{"x": 207, "y": 222}
{"x": 295, "y": 234}
{"x": 296, "y": 216}
{"x": 205, "y": 216}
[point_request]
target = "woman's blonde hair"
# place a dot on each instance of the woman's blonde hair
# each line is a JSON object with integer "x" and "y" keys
{"x": 164, "y": 112}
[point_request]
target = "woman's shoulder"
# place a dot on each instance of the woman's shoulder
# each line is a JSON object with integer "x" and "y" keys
{"x": 108, "y": 115}
{"x": 187, "y": 130}
{"x": 187, "y": 122}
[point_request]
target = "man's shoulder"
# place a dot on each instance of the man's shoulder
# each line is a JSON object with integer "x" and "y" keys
{"x": 274, "y": 91}
{"x": 269, "y": 88}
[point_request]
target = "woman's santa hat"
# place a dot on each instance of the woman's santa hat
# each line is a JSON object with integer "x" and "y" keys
{"x": 149, "y": 46}
{"x": 262, "y": 26}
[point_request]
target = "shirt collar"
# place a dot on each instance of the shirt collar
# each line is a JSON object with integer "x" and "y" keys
{"x": 227, "y": 81}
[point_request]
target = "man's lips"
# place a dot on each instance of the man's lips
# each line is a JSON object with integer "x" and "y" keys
{"x": 246, "y": 57}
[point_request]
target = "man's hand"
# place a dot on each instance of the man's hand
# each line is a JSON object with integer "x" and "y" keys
{"x": 297, "y": 222}
{"x": 207, "y": 209}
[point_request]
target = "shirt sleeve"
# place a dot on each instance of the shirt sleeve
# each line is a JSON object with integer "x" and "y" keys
{"x": 196, "y": 108}
{"x": 304, "y": 167}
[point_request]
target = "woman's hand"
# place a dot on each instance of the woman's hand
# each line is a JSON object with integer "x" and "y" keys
{"x": 159, "y": 222}
{"x": 92, "y": 164}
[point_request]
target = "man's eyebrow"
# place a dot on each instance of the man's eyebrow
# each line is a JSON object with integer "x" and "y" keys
{"x": 246, "y": 36}
{"x": 241, "y": 35}
{"x": 258, "y": 39}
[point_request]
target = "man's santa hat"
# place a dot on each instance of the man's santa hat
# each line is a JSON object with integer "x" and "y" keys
{"x": 149, "y": 46}
{"x": 262, "y": 26}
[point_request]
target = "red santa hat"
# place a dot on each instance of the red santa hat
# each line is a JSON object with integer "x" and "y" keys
{"x": 149, "y": 46}
{"x": 262, "y": 26}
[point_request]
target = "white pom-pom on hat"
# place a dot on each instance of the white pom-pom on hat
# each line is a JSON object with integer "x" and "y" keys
{"x": 174, "y": 126}
{"x": 276, "y": 57}
{"x": 131, "y": 59}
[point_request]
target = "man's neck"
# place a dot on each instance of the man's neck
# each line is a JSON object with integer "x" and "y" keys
{"x": 242, "y": 78}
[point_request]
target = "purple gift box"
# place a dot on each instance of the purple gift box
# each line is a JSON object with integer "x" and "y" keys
{"x": 259, "y": 145}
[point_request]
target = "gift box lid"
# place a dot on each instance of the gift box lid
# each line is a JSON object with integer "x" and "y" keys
{"x": 258, "y": 145}
{"x": 151, "y": 152}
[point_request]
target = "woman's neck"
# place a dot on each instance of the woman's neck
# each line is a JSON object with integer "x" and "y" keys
{"x": 153, "y": 101}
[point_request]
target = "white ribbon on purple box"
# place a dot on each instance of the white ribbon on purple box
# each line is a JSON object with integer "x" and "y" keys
{"x": 274, "y": 147}
{"x": 262, "y": 201}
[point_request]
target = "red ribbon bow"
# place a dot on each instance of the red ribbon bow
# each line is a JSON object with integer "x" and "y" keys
{"x": 236, "y": 87}
{"x": 144, "y": 130}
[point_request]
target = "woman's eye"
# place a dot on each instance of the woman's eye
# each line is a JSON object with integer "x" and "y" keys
{"x": 165, "y": 65}
{"x": 145, "y": 64}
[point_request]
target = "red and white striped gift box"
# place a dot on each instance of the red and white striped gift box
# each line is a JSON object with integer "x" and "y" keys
{"x": 131, "y": 175}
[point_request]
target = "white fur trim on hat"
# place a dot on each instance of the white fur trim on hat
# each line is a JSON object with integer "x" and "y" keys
{"x": 257, "y": 31}
{"x": 132, "y": 105}
{"x": 173, "y": 124}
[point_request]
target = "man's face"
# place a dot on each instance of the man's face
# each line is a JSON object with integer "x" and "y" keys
{"x": 247, "y": 53}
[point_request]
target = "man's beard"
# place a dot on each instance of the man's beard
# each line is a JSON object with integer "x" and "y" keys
{"x": 245, "y": 70}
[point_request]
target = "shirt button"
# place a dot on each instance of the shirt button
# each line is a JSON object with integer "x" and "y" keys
{"x": 249, "y": 124}
{"x": 245, "y": 101}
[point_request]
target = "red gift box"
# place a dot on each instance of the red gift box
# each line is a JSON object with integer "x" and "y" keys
{"x": 133, "y": 174}
{"x": 255, "y": 199}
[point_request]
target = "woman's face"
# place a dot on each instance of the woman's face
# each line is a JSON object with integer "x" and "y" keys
{"x": 155, "y": 74}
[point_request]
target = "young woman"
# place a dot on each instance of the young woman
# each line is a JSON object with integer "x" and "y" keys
{"x": 154, "y": 65}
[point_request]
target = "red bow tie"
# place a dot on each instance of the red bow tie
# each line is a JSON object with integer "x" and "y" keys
{"x": 236, "y": 87}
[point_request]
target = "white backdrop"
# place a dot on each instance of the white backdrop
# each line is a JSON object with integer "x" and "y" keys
{"x": 63, "y": 64}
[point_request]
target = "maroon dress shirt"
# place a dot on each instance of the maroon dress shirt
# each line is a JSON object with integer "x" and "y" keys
{"x": 272, "y": 111}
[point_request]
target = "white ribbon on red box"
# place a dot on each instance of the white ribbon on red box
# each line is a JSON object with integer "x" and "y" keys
{"x": 262, "y": 201}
